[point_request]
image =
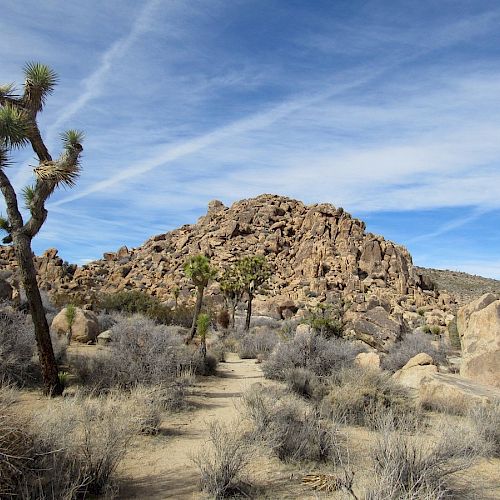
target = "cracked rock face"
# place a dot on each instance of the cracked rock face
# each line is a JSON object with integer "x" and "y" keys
{"x": 319, "y": 253}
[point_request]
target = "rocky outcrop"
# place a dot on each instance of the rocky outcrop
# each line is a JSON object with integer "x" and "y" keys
{"x": 478, "y": 325}
{"x": 319, "y": 253}
{"x": 456, "y": 395}
{"x": 85, "y": 327}
{"x": 416, "y": 370}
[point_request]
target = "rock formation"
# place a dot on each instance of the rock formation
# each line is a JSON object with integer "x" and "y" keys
{"x": 478, "y": 325}
{"x": 318, "y": 253}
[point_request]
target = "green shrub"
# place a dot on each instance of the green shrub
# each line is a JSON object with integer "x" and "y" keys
{"x": 454, "y": 335}
{"x": 357, "y": 396}
{"x": 325, "y": 320}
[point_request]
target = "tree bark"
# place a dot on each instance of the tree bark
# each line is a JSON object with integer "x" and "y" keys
{"x": 249, "y": 312}
{"x": 52, "y": 385}
{"x": 197, "y": 309}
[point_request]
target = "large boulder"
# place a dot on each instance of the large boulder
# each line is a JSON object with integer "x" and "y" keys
{"x": 479, "y": 330}
{"x": 85, "y": 327}
{"x": 418, "y": 368}
{"x": 377, "y": 328}
{"x": 455, "y": 393}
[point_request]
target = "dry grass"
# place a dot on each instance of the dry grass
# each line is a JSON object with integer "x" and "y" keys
{"x": 293, "y": 430}
{"x": 222, "y": 463}
{"x": 69, "y": 449}
{"x": 357, "y": 396}
{"x": 411, "y": 465}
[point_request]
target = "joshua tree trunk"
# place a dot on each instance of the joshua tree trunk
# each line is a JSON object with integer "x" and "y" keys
{"x": 197, "y": 310}
{"x": 233, "y": 313}
{"x": 52, "y": 385}
{"x": 249, "y": 312}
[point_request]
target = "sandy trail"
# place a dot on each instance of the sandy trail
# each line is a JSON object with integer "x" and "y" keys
{"x": 160, "y": 466}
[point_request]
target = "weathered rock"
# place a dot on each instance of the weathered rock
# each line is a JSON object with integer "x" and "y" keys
{"x": 318, "y": 253}
{"x": 455, "y": 393}
{"x": 303, "y": 329}
{"x": 105, "y": 337}
{"x": 85, "y": 327}
{"x": 416, "y": 370}
{"x": 480, "y": 337}
{"x": 376, "y": 328}
{"x": 369, "y": 360}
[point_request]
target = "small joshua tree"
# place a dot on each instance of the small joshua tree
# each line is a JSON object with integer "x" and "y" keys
{"x": 232, "y": 287}
{"x": 19, "y": 127}
{"x": 70, "y": 318}
{"x": 176, "y": 292}
{"x": 203, "y": 323}
{"x": 200, "y": 271}
{"x": 254, "y": 272}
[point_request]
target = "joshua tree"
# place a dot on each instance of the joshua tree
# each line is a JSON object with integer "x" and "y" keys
{"x": 176, "y": 292}
{"x": 203, "y": 323}
{"x": 253, "y": 272}
{"x": 232, "y": 287}
{"x": 19, "y": 127}
{"x": 200, "y": 271}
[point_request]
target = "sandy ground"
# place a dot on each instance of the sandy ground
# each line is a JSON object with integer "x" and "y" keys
{"x": 161, "y": 465}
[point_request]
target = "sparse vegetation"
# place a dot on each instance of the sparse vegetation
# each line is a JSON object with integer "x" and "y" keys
{"x": 69, "y": 449}
{"x": 319, "y": 355}
{"x": 325, "y": 319}
{"x": 410, "y": 465}
{"x": 224, "y": 460}
{"x": 357, "y": 396}
{"x": 258, "y": 342}
{"x": 293, "y": 430}
{"x": 411, "y": 345}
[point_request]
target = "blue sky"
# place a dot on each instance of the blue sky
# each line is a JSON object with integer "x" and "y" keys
{"x": 390, "y": 109}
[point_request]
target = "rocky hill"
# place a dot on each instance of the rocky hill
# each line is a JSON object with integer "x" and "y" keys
{"x": 464, "y": 287}
{"x": 318, "y": 253}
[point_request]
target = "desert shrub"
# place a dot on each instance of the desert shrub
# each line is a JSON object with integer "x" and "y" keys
{"x": 293, "y": 430}
{"x": 409, "y": 465}
{"x": 486, "y": 421}
{"x": 305, "y": 383}
{"x": 411, "y": 345}
{"x": 224, "y": 319}
{"x": 255, "y": 342}
{"x": 141, "y": 353}
{"x": 136, "y": 302}
{"x": 17, "y": 347}
{"x": 357, "y": 396}
{"x": 454, "y": 335}
{"x": 265, "y": 322}
{"x": 218, "y": 350}
{"x": 106, "y": 320}
{"x": 148, "y": 407}
{"x": 223, "y": 461}
{"x": 321, "y": 356}
{"x": 325, "y": 319}
{"x": 68, "y": 450}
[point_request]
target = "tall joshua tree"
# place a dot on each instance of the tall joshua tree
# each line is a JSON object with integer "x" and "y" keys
{"x": 232, "y": 287}
{"x": 19, "y": 127}
{"x": 254, "y": 271}
{"x": 200, "y": 271}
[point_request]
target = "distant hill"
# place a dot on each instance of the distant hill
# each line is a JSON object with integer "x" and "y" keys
{"x": 464, "y": 287}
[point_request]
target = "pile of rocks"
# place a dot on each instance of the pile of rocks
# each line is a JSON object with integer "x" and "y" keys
{"x": 318, "y": 253}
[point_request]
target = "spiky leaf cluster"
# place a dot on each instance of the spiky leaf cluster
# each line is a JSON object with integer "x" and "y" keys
{"x": 231, "y": 283}
{"x": 40, "y": 81}
{"x": 254, "y": 271}
{"x": 199, "y": 269}
{"x": 13, "y": 127}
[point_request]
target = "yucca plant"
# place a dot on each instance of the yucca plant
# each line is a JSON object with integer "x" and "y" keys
{"x": 18, "y": 128}
{"x": 200, "y": 271}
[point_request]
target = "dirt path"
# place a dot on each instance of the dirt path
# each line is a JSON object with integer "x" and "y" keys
{"x": 159, "y": 466}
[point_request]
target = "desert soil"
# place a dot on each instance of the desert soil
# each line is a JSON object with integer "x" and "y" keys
{"x": 161, "y": 466}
